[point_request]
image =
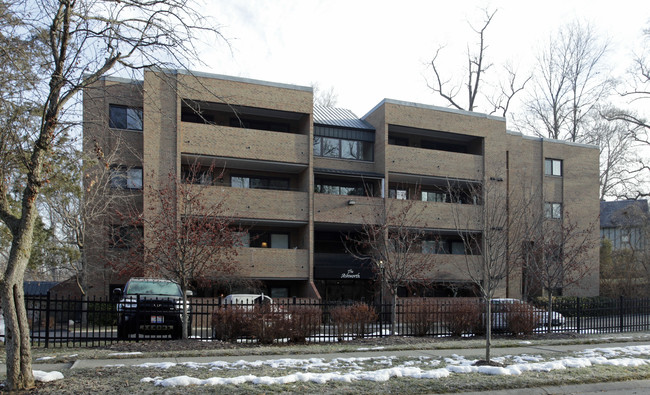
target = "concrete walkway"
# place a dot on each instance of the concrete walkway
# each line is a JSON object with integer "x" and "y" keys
{"x": 469, "y": 353}
{"x": 626, "y": 387}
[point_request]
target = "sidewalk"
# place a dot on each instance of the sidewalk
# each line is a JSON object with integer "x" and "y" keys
{"x": 626, "y": 387}
{"x": 469, "y": 353}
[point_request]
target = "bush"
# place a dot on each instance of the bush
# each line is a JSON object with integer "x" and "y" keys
{"x": 419, "y": 317}
{"x": 353, "y": 319}
{"x": 305, "y": 321}
{"x": 270, "y": 322}
{"x": 521, "y": 318}
{"x": 463, "y": 317}
{"x": 231, "y": 322}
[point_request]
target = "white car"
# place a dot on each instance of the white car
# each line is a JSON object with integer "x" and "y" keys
{"x": 247, "y": 299}
{"x": 499, "y": 311}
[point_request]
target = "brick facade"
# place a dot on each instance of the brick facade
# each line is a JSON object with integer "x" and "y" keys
{"x": 266, "y": 131}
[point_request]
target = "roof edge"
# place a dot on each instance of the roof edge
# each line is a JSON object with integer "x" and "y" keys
{"x": 235, "y": 79}
{"x": 435, "y": 108}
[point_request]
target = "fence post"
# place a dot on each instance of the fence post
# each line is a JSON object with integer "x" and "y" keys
{"x": 137, "y": 318}
{"x": 381, "y": 318}
{"x": 47, "y": 320}
{"x": 620, "y": 313}
{"x": 578, "y": 314}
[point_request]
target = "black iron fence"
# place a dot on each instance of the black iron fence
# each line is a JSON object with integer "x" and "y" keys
{"x": 56, "y": 321}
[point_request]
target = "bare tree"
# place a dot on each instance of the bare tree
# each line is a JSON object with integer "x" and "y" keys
{"x": 490, "y": 237}
{"x": 617, "y": 156}
{"x": 558, "y": 253}
{"x": 80, "y": 203}
{"x": 79, "y": 41}
{"x": 324, "y": 98}
{"x": 637, "y": 92}
{"x": 189, "y": 236}
{"x": 477, "y": 66}
{"x": 571, "y": 81}
{"x": 391, "y": 242}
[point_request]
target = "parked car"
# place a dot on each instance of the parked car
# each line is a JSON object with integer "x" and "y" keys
{"x": 151, "y": 306}
{"x": 500, "y": 308}
{"x": 247, "y": 299}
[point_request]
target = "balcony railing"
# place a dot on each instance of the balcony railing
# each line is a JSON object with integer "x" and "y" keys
{"x": 436, "y": 163}
{"x": 265, "y": 204}
{"x": 225, "y": 141}
{"x": 273, "y": 263}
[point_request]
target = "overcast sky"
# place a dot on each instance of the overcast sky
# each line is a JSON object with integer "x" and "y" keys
{"x": 370, "y": 50}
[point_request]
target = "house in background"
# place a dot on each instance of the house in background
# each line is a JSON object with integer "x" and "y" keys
{"x": 624, "y": 223}
{"x": 300, "y": 176}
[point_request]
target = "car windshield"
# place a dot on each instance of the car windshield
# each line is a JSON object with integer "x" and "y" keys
{"x": 153, "y": 288}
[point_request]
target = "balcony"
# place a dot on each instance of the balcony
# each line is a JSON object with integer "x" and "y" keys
{"x": 230, "y": 142}
{"x": 338, "y": 208}
{"x": 264, "y": 204}
{"x": 439, "y": 215}
{"x": 272, "y": 263}
{"x": 435, "y": 163}
{"x": 448, "y": 267}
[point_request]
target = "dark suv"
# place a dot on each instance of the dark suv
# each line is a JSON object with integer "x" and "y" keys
{"x": 151, "y": 306}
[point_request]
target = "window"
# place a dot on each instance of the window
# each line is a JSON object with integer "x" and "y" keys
{"x": 260, "y": 124}
{"x": 124, "y": 236}
{"x": 259, "y": 182}
{"x": 457, "y": 248}
{"x": 428, "y": 196}
{"x": 341, "y": 143}
{"x": 553, "y": 210}
{"x": 349, "y": 188}
{"x": 262, "y": 239}
{"x": 434, "y": 247}
{"x": 242, "y": 239}
{"x": 401, "y": 141}
{"x": 123, "y": 117}
{"x": 126, "y": 178}
{"x": 200, "y": 176}
{"x": 330, "y": 147}
{"x": 397, "y": 193}
{"x": 553, "y": 167}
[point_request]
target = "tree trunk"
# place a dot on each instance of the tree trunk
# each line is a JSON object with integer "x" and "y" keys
{"x": 550, "y": 310}
{"x": 17, "y": 343}
{"x": 393, "y": 313}
{"x": 488, "y": 329}
{"x": 184, "y": 334}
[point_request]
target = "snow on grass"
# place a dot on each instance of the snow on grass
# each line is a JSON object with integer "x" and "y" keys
{"x": 40, "y": 375}
{"x": 45, "y": 358}
{"x": 384, "y": 368}
{"x": 125, "y": 353}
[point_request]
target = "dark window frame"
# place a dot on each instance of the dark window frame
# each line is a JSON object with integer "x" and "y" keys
{"x": 549, "y": 167}
{"x": 267, "y": 179}
{"x": 329, "y": 187}
{"x": 257, "y": 237}
{"x": 125, "y": 236}
{"x": 115, "y": 120}
{"x": 551, "y": 210}
{"x": 120, "y": 177}
{"x": 365, "y": 149}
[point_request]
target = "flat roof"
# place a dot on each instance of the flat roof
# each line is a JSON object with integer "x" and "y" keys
{"x": 236, "y": 79}
{"x": 434, "y": 108}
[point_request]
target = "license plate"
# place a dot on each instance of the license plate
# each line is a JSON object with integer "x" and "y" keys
{"x": 157, "y": 319}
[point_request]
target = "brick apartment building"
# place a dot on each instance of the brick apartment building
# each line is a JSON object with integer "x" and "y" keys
{"x": 300, "y": 176}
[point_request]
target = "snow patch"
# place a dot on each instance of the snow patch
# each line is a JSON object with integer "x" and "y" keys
{"x": 45, "y": 377}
